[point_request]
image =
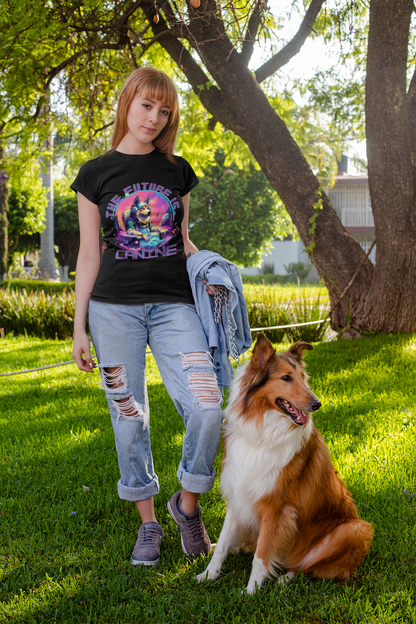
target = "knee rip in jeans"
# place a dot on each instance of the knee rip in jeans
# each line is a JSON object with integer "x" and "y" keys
{"x": 129, "y": 409}
{"x": 114, "y": 379}
{"x": 202, "y": 379}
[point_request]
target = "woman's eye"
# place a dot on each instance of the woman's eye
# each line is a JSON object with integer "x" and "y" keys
{"x": 287, "y": 378}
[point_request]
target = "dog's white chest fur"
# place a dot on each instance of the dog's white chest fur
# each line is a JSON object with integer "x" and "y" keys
{"x": 254, "y": 459}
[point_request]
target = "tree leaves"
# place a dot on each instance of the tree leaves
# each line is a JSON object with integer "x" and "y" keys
{"x": 235, "y": 212}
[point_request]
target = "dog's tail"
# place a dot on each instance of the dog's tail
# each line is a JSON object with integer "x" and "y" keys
{"x": 340, "y": 553}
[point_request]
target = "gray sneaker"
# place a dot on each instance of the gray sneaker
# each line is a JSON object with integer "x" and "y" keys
{"x": 194, "y": 538}
{"x": 147, "y": 548}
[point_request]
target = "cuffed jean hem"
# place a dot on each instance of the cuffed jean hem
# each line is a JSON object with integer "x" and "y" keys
{"x": 199, "y": 484}
{"x": 138, "y": 494}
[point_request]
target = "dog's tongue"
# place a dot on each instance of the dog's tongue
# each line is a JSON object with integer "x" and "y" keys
{"x": 303, "y": 416}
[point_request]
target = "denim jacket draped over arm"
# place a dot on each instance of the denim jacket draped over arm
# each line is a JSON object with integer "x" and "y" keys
{"x": 210, "y": 266}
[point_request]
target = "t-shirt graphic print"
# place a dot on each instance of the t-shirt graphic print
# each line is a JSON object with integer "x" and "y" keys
{"x": 139, "y": 198}
{"x": 144, "y": 222}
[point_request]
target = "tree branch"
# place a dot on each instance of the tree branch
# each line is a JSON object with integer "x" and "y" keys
{"x": 293, "y": 47}
{"x": 138, "y": 36}
{"x": 3, "y": 124}
{"x": 39, "y": 106}
{"x": 131, "y": 50}
{"x": 153, "y": 40}
{"x": 122, "y": 24}
{"x": 128, "y": 12}
{"x": 97, "y": 46}
{"x": 169, "y": 13}
{"x": 211, "y": 97}
{"x": 251, "y": 32}
{"x": 103, "y": 128}
{"x": 175, "y": 48}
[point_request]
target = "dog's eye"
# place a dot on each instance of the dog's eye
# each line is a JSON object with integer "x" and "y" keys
{"x": 287, "y": 378}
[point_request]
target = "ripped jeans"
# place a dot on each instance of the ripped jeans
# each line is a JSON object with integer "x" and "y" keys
{"x": 120, "y": 334}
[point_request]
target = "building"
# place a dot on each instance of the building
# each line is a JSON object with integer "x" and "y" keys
{"x": 350, "y": 198}
{"x": 283, "y": 253}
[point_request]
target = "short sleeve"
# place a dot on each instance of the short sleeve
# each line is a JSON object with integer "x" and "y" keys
{"x": 189, "y": 177}
{"x": 86, "y": 182}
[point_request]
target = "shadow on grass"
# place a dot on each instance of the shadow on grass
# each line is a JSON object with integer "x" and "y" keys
{"x": 38, "y": 355}
{"x": 384, "y": 347}
{"x": 86, "y": 555}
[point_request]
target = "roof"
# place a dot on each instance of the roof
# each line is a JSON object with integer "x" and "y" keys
{"x": 346, "y": 178}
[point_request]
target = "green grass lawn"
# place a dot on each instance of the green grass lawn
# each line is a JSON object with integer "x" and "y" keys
{"x": 283, "y": 292}
{"x": 65, "y": 550}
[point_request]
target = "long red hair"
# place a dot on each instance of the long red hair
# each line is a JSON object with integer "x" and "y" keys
{"x": 154, "y": 84}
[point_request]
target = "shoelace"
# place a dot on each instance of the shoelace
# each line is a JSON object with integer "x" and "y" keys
{"x": 148, "y": 535}
{"x": 195, "y": 528}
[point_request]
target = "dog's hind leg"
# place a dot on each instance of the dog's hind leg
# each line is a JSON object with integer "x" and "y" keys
{"x": 285, "y": 578}
{"x": 277, "y": 534}
{"x": 230, "y": 538}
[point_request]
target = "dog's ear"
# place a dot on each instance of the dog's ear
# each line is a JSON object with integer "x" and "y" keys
{"x": 263, "y": 351}
{"x": 296, "y": 350}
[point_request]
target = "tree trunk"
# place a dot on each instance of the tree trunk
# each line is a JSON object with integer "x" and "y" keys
{"x": 4, "y": 206}
{"x": 391, "y": 302}
{"x": 68, "y": 251}
{"x": 47, "y": 251}
{"x": 336, "y": 254}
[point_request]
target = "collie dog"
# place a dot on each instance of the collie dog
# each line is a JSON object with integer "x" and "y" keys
{"x": 285, "y": 501}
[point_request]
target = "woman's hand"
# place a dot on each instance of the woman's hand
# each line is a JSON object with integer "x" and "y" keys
{"x": 190, "y": 248}
{"x": 82, "y": 348}
{"x": 87, "y": 268}
{"x": 211, "y": 289}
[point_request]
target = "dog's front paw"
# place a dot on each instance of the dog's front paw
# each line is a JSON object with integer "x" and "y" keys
{"x": 202, "y": 577}
{"x": 250, "y": 589}
{"x": 208, "y": 575}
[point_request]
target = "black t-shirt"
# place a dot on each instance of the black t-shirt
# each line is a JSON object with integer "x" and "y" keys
{"x": 140, "y": 202}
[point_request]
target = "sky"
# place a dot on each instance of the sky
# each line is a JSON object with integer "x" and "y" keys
{"x": 313, "y": 56}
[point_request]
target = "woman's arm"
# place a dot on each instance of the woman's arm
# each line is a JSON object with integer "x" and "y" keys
{"x": 88, "y": 264}
{"x": 189, "y": 246}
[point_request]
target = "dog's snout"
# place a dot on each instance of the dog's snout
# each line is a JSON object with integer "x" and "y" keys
{"x": 315, "y": 405}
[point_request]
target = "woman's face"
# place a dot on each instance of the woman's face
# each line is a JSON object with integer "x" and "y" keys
{"x": 146, "y": 118}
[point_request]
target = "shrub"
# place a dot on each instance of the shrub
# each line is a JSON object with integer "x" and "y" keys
{"x": 268, "y": 307}
{"x": 31, "y": 285}
{"x": 266, "y": 279}
{"x": 297, "y": 270}
{"x": 37, "y": 313}
{"x": 267, "y": 268}
{"x": 51, "y": 314}
{"x": 263, "y": 315}
{"x": 303, "y": 310}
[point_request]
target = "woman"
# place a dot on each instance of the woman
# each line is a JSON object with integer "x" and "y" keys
{"x": 139, "y": 294}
